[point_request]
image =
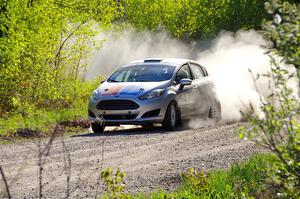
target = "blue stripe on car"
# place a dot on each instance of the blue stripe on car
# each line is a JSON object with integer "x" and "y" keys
{"x": 129, "y": 90}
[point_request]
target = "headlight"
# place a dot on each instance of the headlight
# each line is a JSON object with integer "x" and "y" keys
{"x": 95, "y": 95}
{"x": 152, "y": 94}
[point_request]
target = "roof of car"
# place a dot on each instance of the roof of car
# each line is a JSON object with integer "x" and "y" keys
{"x": 166, "y": 61}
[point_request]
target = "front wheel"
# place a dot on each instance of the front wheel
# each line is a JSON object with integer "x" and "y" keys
{"x": 171, "y": 117}
{"x": 97, "y": 127}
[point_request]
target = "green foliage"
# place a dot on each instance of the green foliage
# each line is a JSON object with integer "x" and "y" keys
{"x": 44, "y": 47}
{"x": 43, "y": 118}
{"x": 40, "y": 119}
{"x": 194, "y": 19}
{"x": 242, "y": 180}
{"x": 194, "y": 182}
{"x": 284, "y": 31}
{"x": 279, "y": 131}
{"x": 113, "y": 184}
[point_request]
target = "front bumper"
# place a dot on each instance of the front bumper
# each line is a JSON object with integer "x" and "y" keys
{"x": 139, "y": 115}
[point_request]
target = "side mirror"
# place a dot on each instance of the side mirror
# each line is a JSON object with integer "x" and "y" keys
{"x": 184, "y": 82}
{"x": 102, "y": 81}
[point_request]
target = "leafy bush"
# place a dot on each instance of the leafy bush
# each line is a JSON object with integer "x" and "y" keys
{"x": 194, "y": 19}
{"x": 284, "y": 31}
{"x": 279, "y": 131}
{"x": 44, "y": 47}
{"x": 43, "y": 118}
{"x": 113, "y": 184}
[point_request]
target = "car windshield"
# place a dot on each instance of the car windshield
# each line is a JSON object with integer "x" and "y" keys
{"x": 143, "y": 73}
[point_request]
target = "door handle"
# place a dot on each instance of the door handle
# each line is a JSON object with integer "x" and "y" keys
{"x": 195, "y": 86}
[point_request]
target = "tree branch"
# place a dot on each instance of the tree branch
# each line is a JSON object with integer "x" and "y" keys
{"x": 57, "y": 56}
{"x": 5, "y": 183}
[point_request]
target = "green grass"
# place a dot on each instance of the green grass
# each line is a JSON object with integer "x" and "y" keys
{"x": 41, "y": 119}
{"x": 248, "y": 179}
{"x": 243, "y": 180}
{"x": 45, "y": 114}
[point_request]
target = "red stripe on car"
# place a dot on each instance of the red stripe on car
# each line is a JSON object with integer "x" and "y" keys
{"x": 113, "y": 90}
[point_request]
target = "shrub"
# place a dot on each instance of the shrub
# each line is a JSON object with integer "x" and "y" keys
{"x": 189, "y": 19}
{"x": 279, "y": 131}
{"x": 44, "y": 46}
{"x": 114, "y": 185}
{"x": 242, "y": 180}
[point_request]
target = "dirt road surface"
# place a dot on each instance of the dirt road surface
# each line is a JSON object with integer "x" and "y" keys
{"x": 152, "y": 159}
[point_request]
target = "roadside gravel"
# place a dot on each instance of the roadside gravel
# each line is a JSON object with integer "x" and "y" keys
{"x": 152, "y": 159}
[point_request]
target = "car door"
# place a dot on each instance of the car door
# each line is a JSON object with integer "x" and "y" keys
{"x": 187, "y": 96}
{"x": 203, "y": 84}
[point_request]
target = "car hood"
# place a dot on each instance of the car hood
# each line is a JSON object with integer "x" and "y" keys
{"x": 128, "y": 88}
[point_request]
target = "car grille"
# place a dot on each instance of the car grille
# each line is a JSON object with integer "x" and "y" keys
{"x": 117, "y": 105}
{"x": 118, "y": 117}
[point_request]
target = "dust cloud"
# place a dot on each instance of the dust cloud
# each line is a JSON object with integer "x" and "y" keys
{"x": 232, "y": 59}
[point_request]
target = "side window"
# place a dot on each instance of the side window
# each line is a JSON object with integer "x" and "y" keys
{"x": 204, "y": 71}
{"x": 184, "y": 72}
{"x": 197, "y": 71}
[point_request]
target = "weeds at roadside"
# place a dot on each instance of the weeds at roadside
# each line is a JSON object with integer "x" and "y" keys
{"x": 242, "y": 180}
{"x": 67, "y": 125}
{"x": 44, "y": 147}
{"x": 248, "y": 179}
{"x": 42, "y": 122}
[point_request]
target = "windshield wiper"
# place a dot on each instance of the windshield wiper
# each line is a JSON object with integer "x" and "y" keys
{"x": 142, "y": 80}
{"x": 112, "y": 80}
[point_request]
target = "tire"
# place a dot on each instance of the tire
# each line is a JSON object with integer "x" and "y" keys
{"x": 171, "y": 117}
{"x": 97, "y": 127}
{"x": 215, "y": 111}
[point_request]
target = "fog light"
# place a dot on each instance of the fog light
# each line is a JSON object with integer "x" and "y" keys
{"x": 91, "y": 114}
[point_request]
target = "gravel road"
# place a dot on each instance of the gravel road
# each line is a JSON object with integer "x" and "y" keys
{"x": 152, "y": 159}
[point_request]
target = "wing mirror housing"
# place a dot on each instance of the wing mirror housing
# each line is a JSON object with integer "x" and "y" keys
{"x": 184, "y": 82}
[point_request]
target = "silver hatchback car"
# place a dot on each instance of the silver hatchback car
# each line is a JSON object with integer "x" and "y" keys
{"x": 149, "y": 91}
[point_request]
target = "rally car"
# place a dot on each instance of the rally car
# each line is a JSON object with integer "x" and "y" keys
{"x": 165, "y": 91}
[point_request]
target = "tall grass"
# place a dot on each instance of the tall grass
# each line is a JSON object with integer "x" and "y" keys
{"x": 242, "y": 180}
{"x": 41, "y": 119}
{"x": 248, "y": 179}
